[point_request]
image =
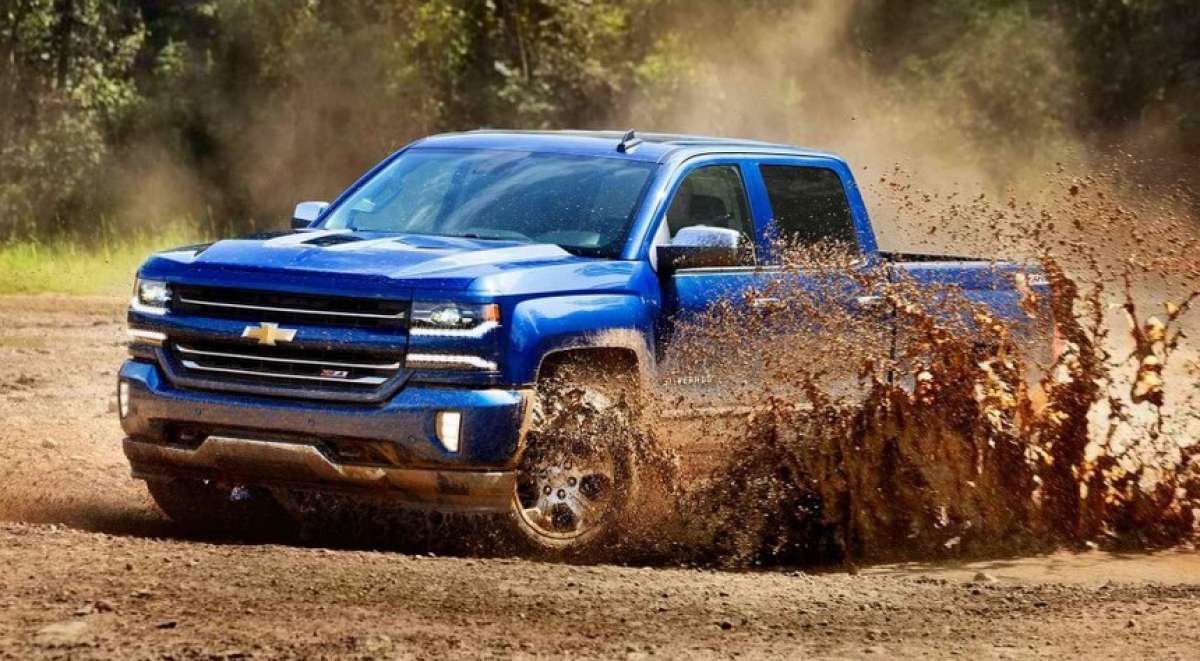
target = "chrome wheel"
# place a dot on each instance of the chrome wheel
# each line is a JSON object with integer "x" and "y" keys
{"x": 577, "y": 476}
{"x": 567, "y": 496}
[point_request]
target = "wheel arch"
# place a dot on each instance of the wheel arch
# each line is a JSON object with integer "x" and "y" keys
{"x": 622, "y": 351}
{"x": 545, "y": 331}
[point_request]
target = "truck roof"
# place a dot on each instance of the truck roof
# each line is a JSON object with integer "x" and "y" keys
{"x": 654, "y": 147}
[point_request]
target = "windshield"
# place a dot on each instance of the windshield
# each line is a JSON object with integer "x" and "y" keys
{"x": 584, "y": 204}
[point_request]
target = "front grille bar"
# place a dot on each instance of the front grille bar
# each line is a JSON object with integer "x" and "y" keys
{"x": 364, "y": 380}
{"x": 271, "y": 359}
{"x": 264, "y": 308}
{"x": 311, "y": 370}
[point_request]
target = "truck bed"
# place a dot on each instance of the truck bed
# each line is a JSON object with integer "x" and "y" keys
{"x": 889, "y": 256}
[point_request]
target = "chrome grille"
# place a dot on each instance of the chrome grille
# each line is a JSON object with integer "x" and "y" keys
{"x": 227, "y": 303}
{"x": 287, "y": 371}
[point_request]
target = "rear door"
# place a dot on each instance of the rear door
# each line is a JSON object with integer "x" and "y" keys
{"x": 816, "y": 245}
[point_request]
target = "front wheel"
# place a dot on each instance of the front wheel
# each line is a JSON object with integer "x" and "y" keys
{"x": 208, "y": 508}
{"x": 577, "y": 479}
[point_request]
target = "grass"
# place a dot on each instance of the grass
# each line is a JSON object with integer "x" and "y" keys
{"x": 105, "y": 268}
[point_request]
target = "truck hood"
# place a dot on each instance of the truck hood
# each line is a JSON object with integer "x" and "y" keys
{"x": 348, "y": 260}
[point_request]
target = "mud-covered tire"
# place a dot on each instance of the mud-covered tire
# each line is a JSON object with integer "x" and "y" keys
{"x": 579, "y": 454}
{"x": 211, "y": 509}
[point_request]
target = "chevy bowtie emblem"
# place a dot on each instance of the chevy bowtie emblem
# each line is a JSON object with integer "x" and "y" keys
{"x": 269, "y": 334}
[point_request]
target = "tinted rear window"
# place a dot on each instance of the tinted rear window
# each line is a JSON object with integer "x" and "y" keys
{"x": 809, "y": 205}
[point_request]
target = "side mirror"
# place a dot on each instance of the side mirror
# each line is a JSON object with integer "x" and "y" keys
{"x": 701, "y": 246}
{"x": 306, "y": 214}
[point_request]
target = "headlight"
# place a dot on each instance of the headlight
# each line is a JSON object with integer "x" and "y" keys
{"x": 151, "y": 296}
{"x": 451, "y": 316}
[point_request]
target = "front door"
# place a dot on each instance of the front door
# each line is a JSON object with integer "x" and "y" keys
{"x": 713, "y": 195}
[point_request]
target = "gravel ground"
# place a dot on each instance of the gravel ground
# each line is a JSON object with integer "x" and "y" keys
{"x": 92, "y": 570}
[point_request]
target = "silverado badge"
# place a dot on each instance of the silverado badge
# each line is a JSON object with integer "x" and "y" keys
{"x": 269, "y": 334}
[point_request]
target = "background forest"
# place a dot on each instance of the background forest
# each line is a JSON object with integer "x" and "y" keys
{"x": 129, "y": 117}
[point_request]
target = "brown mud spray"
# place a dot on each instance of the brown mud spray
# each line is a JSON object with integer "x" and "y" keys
{"x": 1073, "y": 425}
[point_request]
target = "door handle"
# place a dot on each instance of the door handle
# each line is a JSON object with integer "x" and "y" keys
{"x": 765, "y": 302}
{"x": 867, "y": 302}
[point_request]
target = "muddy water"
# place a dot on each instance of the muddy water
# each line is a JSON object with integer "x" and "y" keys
{"x": 978, "y": 435}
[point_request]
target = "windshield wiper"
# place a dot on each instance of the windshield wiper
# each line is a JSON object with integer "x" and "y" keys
{"x": 487, "y": 237}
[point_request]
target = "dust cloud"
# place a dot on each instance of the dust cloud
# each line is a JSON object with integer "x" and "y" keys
{"x": 801, "y": 77}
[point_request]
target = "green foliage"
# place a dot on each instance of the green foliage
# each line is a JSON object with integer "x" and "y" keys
{"x": 231, "y": 110}
{"x": 104, "y": 267}
{"x": 66, "y": 85}
{"x": 1145, "y": 59}
{"x": 1006, "y": 76}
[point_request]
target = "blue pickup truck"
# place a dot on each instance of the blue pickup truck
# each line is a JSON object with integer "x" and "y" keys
{"x": 394, "y": 344}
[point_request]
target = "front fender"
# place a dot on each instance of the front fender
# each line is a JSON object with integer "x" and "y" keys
{"x": 543, "y": 326}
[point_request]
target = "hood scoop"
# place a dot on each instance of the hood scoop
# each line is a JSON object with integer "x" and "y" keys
{"x": 327, "y": 240}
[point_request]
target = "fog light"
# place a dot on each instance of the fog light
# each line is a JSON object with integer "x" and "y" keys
{"x": 123, "y": 398}
{"x": 449, "y": 429}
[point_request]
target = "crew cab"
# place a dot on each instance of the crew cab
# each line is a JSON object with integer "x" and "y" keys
{"x": 392, "y": 344}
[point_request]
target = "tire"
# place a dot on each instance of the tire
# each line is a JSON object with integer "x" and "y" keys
{"x": 577, "y": 480}
{"x": 211, "y": 509}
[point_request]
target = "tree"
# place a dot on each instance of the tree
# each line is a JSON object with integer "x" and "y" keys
{"x": 65, "y": 87}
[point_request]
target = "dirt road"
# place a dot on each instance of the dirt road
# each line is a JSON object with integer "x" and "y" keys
{"x": 91, "y": 570}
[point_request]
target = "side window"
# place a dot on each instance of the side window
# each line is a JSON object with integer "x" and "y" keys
{"x": 712, "y": 195}
{"x": 809, "y": 205}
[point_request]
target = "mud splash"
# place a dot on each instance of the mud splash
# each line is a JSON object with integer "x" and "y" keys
{"x": 1072, "y": 425}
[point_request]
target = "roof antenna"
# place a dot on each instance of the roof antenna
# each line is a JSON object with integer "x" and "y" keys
{"x": 628, "y": 142}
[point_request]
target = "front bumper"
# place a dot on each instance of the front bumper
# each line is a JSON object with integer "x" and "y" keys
{"x": 388, "y": 450}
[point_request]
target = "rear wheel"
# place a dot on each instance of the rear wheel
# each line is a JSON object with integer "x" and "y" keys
{"x": 206, "y": 507}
